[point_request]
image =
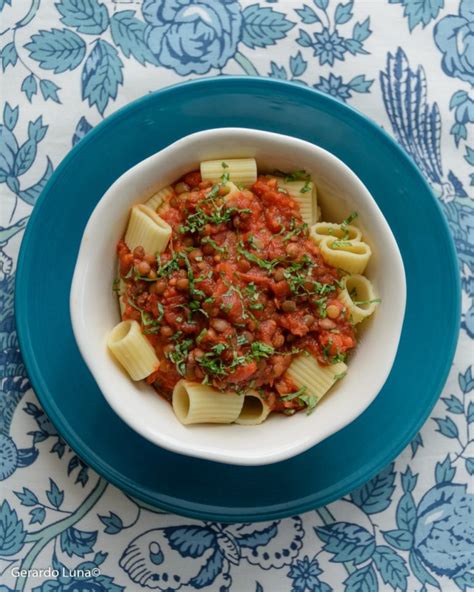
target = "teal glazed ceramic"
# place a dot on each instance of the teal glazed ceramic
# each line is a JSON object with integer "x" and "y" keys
{"x": 199, "y": 488}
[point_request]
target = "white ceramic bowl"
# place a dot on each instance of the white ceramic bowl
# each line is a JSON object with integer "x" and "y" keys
{"x": 94, "y": 307}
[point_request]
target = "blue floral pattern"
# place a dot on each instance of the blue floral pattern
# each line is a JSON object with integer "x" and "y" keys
{"x": 70, "y": 63}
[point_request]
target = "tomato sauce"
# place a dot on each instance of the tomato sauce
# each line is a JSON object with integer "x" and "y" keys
{"x": 239, "y": 291}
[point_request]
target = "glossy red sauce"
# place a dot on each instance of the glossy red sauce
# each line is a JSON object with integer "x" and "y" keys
{"x": 239, "y": 291}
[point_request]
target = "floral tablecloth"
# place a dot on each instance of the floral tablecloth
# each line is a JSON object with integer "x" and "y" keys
{"x": 66, "y": 64}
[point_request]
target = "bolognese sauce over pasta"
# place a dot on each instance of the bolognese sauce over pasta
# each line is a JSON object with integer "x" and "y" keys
{"x": 243, "y": 289}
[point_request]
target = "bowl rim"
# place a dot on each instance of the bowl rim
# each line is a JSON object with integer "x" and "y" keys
{"x": 205, "y": 450}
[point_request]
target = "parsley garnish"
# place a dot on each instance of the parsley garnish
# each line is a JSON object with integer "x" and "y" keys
{"x": 306, "y": 187}
{"x": 179, "y": 355}
{"x": 362, "y": 302}
{"x": 208, "y": 240}
{"x": 310, "y": 401}
{"x": 259, "y": 349}
{"x": 345, "y": 223}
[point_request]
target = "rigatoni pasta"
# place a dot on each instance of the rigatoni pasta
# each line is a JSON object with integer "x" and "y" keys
{"x": 194, "y": 402}
{"x": 350, "y": 256}
{"x": 155, "y": 201}
{"x": 148, "y": 230}
{"x": 255, "y": 409}
{"x": 304, "y": 193}
{"x": 133, "y": 350}
{"x": 236, "y": 303}
{"x": 241, "y": 171}
{"x": 358, "y": 296}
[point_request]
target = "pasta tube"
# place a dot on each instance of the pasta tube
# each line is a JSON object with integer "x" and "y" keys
{"x": 155, "y": 201}
{"x": 241, "y": 171}
{"x": 322, "y": 230}
{"x": 133, "y": 350}
{"x": 148, "y": 230}
{"x": 358, "y": 297}
{"x": 199, "y": 403}
{"x": 304, "y": 193}
{"x": 305, "y": 371}
{"x": 254, "y": 410}
{"x": 351, "y": 256}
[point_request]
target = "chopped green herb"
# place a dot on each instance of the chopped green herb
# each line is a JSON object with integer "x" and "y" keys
{"x": 362, "y": 302}
{"x": 295, "y": 395}
{"x": 116, "y": 286}
{"x": 339, "y": 358}
{"x": 201, "y": 336}
{"x": 310, "y": 401}
{"x": 259, "y": 349}
{"x": 208, "y": 240}
{"x": 345, "y": 223}
{"x": 306, "y": 187}
{"x": 340, "y": 376}
{"x": 241, "y": 340}
{"x": 300, "y": 175}
{"x": 179, "y": 355}
{"x": 340, "y": 244}
{"x": 224, "y": 165}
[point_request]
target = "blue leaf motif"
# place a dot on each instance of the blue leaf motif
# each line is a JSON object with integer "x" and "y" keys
{"x": 26, "y": 497}
{"x": 322, "y": 4}
{"x": 31, "y": 194}
{"x": 190, "y": 541}
{"x": 12, "y": 533}
{"x": 421, "y": 11}
{"x": 362, "y": 580}
{"x": 102, "y": 75}
{"x": 49, "y": 90}
{"x": 409, "y": 481}
{"x": 87, "y": 16}
{"x": 406, "y": 513}
{"x": 37, "y": 515}
{"x": 54, "y": 494}
{"x": 360, "y": 84}
{"x": 82, "y": 128}
{"x": 469, "y": 156}
{"x": 375, "y": 495}
{"x": 277, "y": 71}
{"x": 77, "y": 542}
{"x": 415, "y": 444}
{"x": 58, "y": 49}
{"x": 466, "y": 381}
{"x": 348, "y": 542}
{"x": 14, "y": 185}
{"x": 458, "y": 98}
{"x": 113, "y": 523}
{"x": 29, "y": 86}
{"x": 391, "y": 567}
{"x": 25, "y": 158}
{"x": 209, "y": 571}
{"x": 399, "y": 538}
{"x": 343, "y": 12}
{"x": 36, "y": 130}
{"x": 470, "y": 412}
{"x": 470, "y": 465}
{"x": 304, "y": 39}
{"x": 10, "y": 116}
{"x": 307, "y": 15}
{"x": 8, "y": 150}
{"x": 453, "y": 404}
{"x": 420, "y": 572}
{"x": 128, "y": 33}
{"x": 4, "y": 3}
{"x": 8, "y": 55}
{"x": 263, "y": 26}
{"x": 298, "y": 65}
{"x": 362, "y": 30}
{"x": 447, "y": 427}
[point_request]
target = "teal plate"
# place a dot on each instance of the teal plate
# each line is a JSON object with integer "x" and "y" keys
{"x": 198, "y": 488}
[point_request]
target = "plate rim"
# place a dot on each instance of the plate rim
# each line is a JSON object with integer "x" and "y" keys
{"x": 189, "y": 508}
